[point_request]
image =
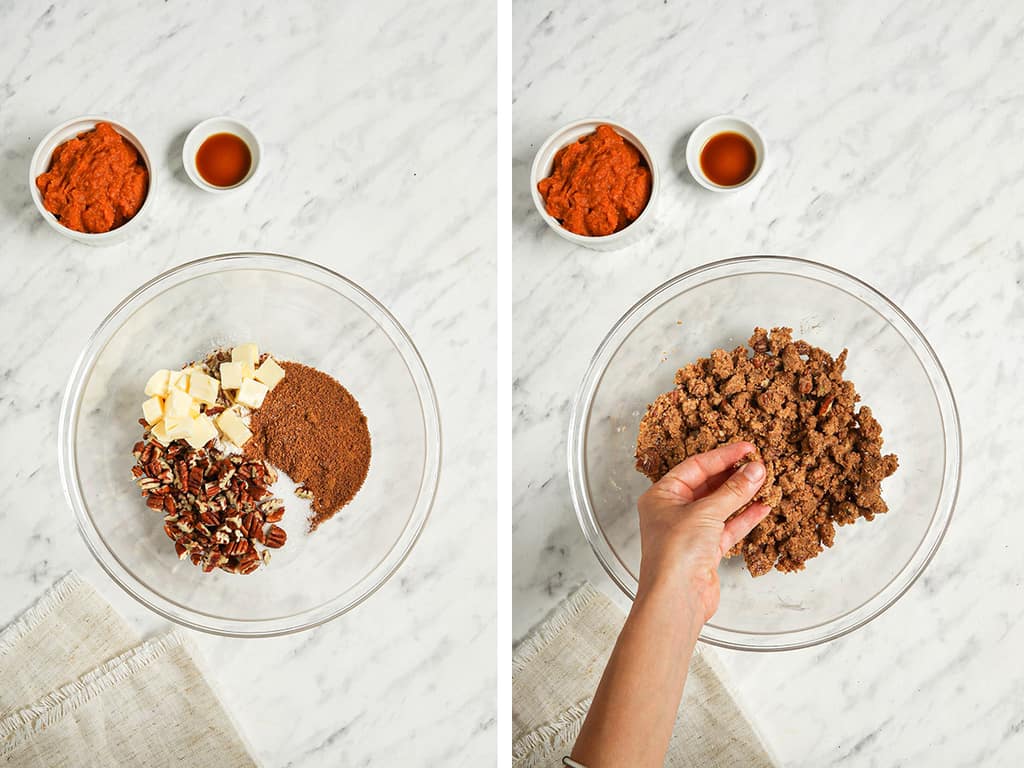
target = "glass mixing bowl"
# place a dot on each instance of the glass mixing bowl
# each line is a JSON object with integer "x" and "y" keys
{"x": 297, "y": 311}
{"x": 896, "y": 373}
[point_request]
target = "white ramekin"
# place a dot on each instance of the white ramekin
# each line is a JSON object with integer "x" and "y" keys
{"x": 541, "y": 169}
{"x": 205, "y": 130}
{"x": 712, "y": 127}
{"x": 41, "y": 163}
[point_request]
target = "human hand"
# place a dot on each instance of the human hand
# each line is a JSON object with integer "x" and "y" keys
{"x": 686, "y": 523}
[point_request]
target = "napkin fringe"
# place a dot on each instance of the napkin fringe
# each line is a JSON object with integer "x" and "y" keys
{"x": 564, "y": 615}
{"x": 556, "y": 736}
{"x": 16, "y": 728}
{"x": 43, "y": 607}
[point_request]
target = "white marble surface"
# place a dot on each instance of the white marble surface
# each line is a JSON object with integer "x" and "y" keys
{"x": 894, "y": 133}
{"x": 377, "y": 122}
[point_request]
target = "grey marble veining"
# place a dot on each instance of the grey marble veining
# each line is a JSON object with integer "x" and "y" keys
{"x": 894, "y": 153}
{"x": 378, "y": 128}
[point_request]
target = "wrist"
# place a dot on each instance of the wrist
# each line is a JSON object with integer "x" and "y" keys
{"x": 680, "y": 598}
{"x": 680, "y": 576}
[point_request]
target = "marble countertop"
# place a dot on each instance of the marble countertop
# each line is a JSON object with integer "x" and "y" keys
{"x": 895, "y": 154}
{"x": 369, "y": 115}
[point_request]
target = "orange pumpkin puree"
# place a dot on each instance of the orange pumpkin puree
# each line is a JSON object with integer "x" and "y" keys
{"x": 598, "y": 185}
{"x": 96, "y": 181}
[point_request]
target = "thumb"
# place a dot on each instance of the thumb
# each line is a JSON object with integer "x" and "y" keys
{"x": 736, "y": 491}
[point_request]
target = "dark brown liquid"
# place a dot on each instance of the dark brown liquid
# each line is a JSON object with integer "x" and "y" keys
{"x": 223, "y": 160}
{"x": 728, "y": 159}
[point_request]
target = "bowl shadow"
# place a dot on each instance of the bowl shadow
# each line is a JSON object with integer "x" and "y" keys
{"x": 173, "y": 157}
{"x": 678, "y": 159}
{"x": 522, "y": 195}
{"x": 15, "y": 197}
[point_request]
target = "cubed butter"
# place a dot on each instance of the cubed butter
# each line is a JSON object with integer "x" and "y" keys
{"x": 231, "y": 375}
{"x": 178, "y": 429}
{"x": 203, "y": 431}
{"x": 233, "y": 427}
{"x": 246, "y": 353}
{"x": 178, "y": 380}
{"x": 159, "y": 431}
{"x": 251, "y": 393}
{"x": 157, "y": 384}
{"x": 177, "y": 405}
{"x": 270, "y": 373}
{"x": 203, "y": 388}
{"x": 153, "y": 410}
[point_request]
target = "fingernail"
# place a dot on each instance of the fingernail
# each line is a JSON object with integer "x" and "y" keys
{"x": 754, "y": 471}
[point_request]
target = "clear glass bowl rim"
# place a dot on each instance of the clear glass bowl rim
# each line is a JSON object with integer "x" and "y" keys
{"x": 362, "y": 590}
{"x": 836, "y": 278}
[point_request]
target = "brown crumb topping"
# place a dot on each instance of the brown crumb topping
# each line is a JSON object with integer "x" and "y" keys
{"x": 822, "y": 454}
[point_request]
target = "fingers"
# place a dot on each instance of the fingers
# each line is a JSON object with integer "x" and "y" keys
{"x": 712, "y": 483}
{"x": 736, "y": 491}
{"x": 688, "y": 479}
{"x": 738, "y": 527}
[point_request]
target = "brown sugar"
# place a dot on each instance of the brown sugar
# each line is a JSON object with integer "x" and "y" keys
{"x": 823, "y": 456}
{"x": 313, "y": 429}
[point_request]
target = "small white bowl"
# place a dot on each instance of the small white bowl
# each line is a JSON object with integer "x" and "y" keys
{"x": 205, "y": 130}
{"x": 41, "y": 164}
{"x": 712, "y": 127}
{"x": 542, "y": 165}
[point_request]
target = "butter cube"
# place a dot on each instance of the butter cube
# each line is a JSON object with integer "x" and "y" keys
{"x": 157, "y": 384}
{"x": 177, "y": 405}
{"x": 159, "y": 431}
{"x": 203, "y": 388}
{"x": 246, "y": 353}
{"x": 153, "y": 410}
{"x": 178, "y": 380}
{"x": 233, "y": 428}
{"x": 177, "y": 429}
{"x": 251, "y": 393}
{"x": 231, "y": 375}
{"x": 203, "y": 431}
{"x": 270, "y": 373}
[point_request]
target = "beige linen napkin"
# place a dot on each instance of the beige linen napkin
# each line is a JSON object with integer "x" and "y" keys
{"x": 148, "y": 706}
{"x": 556, "y": 671}
{"x": 70, "y": 630}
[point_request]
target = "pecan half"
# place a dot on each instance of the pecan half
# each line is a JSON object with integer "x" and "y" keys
{"x": 275, "y": 537}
